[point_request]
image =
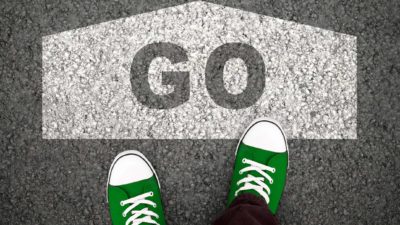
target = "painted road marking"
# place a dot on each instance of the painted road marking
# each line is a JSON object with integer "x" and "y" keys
{"x": 310, "y": 77}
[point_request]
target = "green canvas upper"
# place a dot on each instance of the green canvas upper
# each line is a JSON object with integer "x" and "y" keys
{"x": 116, "y": 194}
{"x": 278, "y": 161}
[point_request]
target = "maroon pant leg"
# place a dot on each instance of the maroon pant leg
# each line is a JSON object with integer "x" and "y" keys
{"x": 247, "y": 209}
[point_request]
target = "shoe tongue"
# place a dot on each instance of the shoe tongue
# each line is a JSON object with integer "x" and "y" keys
{"x": 135, "y": 189}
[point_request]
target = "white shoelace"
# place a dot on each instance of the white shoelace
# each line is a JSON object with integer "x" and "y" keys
{"x": 148, "y": 214}
{"x": 260, "y": 186}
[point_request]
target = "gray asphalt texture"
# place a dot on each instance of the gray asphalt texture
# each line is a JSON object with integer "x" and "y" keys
{"x": 329, "y": 181}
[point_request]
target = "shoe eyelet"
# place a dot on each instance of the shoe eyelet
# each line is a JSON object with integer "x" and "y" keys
{"x": 121, "y": 203}
{"x": 151, "y": 193}
{"x": 243, "y": 160}
{"x": 155, "y": 205}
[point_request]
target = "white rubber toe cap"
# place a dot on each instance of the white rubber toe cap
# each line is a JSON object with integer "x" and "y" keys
{"x": 129, "y": 167}
{"x": 267, "y": 135}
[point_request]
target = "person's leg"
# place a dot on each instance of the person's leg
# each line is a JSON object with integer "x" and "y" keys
{"x": 133, "y": 191}
{"x": 247, "y": 209}
{"x": 259, "y": 176}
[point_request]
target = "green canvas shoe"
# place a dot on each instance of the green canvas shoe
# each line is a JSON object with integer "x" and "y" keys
{"x": 261, "y": 163}
{"x": 133, "y": 191}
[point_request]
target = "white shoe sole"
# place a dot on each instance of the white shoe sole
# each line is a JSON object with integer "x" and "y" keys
{"x": 266, "y": 120}
{"x": 130, "y": 152}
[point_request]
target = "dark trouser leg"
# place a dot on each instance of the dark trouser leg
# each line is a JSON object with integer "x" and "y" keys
{"x": 247, "y": 209}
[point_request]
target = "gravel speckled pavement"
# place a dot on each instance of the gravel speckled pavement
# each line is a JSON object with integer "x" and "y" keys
{"x": 330, "y": 181}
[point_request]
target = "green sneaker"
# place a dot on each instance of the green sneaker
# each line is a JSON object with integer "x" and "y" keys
{"x": 261, "y": 163}
{"x": 133, "y": 191}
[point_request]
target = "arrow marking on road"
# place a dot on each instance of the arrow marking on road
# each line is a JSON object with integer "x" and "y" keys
{"x": 310, "y": 77}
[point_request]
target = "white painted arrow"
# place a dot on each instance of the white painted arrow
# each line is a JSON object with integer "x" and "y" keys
{"x": 310, "y": 77}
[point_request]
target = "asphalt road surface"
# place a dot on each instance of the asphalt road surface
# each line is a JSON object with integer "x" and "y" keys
{"x": 330, "y": 181}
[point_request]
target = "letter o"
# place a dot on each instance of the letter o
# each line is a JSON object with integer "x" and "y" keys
{"x": 255, "y": 79}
